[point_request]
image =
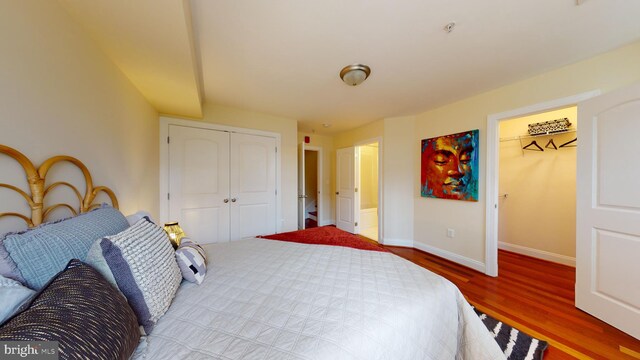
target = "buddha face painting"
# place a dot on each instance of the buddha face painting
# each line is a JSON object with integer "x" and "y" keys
{"x": 449, "y": 166}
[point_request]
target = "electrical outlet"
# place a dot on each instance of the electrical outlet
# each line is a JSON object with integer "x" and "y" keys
{"x": 451, "y": 233}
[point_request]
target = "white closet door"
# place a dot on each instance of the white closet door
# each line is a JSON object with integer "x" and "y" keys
{"x": 199, "y": 182}
{"x": 253, "y": 185}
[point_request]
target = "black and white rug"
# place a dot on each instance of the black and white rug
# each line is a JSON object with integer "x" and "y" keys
{"x": 515, "y": 344}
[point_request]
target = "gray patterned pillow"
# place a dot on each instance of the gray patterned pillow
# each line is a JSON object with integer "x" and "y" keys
{"x": 192, "y": 261}
{"x": 142, "y": 263}
{"x": 88, "y": 317}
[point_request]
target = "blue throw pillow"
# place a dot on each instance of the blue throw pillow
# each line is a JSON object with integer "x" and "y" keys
{"x": 43, "y": 251}
{"x": 12, "y": 295}
{"x": 8, "y": 267}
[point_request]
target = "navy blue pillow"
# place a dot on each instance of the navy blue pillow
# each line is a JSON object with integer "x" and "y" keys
{"x": 81, "y": 310}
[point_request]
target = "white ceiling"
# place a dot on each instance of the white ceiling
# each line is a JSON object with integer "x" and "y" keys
{"x": 282, "y": 57}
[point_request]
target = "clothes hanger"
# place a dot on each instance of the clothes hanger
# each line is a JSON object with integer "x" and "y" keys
{"x": 567, "y": 144}
{"x": 552, "y": 145}
{"x": 533, "y": 143}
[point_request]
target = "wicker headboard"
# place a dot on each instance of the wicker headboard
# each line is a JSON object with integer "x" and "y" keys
{"x": 36, "y": 179}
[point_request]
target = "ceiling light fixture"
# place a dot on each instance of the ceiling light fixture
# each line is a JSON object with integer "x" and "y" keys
{"x": 355, "y": 74}
{"x": 326, "y": 125}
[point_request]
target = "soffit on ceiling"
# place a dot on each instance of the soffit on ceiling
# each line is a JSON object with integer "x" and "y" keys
{"x": 151, "y": 42}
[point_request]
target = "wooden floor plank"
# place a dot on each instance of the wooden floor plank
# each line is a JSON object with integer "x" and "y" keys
{"x": 537, "y": 297}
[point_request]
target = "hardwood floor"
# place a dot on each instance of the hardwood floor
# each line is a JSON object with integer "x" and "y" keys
{"x": 310, "y": 223}
{"x": 537, "y": 297}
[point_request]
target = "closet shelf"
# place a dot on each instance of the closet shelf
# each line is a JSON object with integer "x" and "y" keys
{"x": 520, "y": 137}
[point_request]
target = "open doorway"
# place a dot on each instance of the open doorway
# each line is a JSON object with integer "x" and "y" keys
{"x": 493, "y": 168}
{"x": 359, "y": 206}
{"x": 368, "y": 189}
{"x": 537, "y": 185}
{"x": 309, "y": 186}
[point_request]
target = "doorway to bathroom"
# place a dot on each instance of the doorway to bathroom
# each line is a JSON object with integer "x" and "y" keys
{"x": 368, "y": 189}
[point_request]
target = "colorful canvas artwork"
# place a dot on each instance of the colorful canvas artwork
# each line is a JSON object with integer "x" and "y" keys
{"x": 449, "y": 166}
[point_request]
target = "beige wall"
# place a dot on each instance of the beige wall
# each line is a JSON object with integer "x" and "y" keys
{"x": 539, "y": 213}
{"x": 59, "y": 94}
{"x": 398, "y": 152}
{"x": 328, "y": 178}
{"x": 433, "y": 216}
{"x": 358, "y": 135}
{"x": 288, "y": 130}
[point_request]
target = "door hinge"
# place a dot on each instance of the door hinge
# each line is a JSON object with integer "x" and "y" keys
{"x": 168, "y": 140}
{"x": 168, "y": 196}
{"x": 356, "y": 190}
{"x": 276, "y": 149}
{"x": 276, "y": 192}
{"x": 356, "y": 223}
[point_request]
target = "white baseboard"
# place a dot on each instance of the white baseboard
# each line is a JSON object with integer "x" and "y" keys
{"x": 398, "y": 242}
{"x": 462, "y": 260}
{"x": 540, "y": 254}
{"x": 326, "y": 222}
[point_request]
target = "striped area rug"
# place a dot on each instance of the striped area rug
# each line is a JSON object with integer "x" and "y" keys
{"x": 515, "y": 344}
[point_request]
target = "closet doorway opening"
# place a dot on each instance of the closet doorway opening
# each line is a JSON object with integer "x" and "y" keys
{"x": 493, "y": 168}
{"x": 537, "y": 185}
{"x": 369, "y": 185}
{"x": 310, "y": 204}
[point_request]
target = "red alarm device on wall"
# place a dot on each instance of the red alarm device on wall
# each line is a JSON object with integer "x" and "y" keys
{"x": 307, "y": 139}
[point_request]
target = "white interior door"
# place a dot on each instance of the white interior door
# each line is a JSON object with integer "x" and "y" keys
{"x": 253, "y": 185}
{"x": 608, "y": 209}
{"x": 302, "y": 196}
{"x": 199, "y": 182}
{"x": 345, "y": 189}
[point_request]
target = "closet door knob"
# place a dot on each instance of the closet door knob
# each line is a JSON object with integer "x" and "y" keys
{"x": 226, "y": 200}
{"x": 233, "y": 200}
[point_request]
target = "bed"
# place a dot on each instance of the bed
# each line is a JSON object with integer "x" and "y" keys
{"x": 266, "y": 299}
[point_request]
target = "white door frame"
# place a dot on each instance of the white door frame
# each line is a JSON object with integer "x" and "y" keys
{"x": 164, "y": 161}
{"x": 493, "y": 169}
{"x": 302, "y": 188}
{"x": 380, "y": 184}
{"x": 319, "y": 196}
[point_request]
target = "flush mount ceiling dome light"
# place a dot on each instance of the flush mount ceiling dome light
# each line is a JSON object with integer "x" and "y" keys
{"x": 355, "y": 74}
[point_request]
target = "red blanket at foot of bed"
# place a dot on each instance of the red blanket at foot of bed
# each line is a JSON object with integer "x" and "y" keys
{"x": 326, "y": 235}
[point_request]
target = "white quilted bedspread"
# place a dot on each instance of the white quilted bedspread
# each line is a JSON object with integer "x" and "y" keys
{"x": 265, "y": 299}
